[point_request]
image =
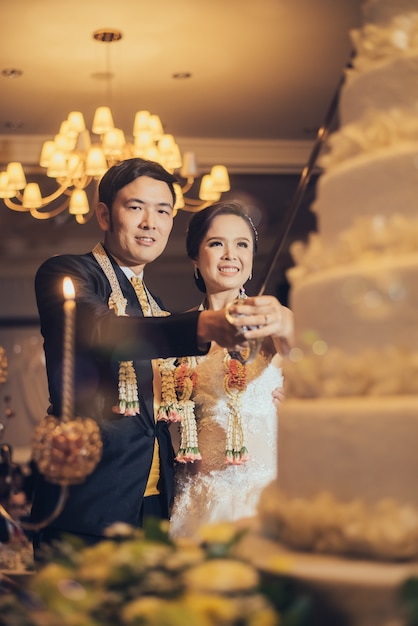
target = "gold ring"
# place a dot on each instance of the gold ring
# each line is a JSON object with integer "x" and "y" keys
{"x": 229, "y": 318}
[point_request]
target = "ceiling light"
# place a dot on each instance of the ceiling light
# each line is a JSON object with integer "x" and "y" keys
{"x": 10, "y": 72}
{"x": 13, "y": 125}
{"x": 76, "y": 162}
{"x": 182, "y": 75}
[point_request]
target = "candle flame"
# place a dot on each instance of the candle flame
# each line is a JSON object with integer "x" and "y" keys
{"x": 68, "y": 288}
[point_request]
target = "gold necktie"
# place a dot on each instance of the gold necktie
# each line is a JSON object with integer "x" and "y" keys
{"x": 138, "y": 285}
{"x": 151, "y": 488}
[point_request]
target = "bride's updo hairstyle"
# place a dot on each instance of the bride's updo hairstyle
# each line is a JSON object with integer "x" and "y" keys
{"x": 200, "y": 224}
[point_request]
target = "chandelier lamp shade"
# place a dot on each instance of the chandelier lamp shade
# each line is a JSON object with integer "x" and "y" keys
{"x": 77, "y": 162}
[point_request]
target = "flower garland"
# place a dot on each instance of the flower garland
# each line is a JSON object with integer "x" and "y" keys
{"x": 178, "y": 380}
{"x": 169, "y": 410}
{"x": 177, "y": 375}
{"x": 185, "y": 378}
{"x": 235, "y": 381}
{"x": 128, "y": 398}
{"x": 236, "y": 376}
{"x": 128, "y": 390}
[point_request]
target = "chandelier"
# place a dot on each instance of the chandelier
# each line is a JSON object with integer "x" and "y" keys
{"x": 77, "y": 162}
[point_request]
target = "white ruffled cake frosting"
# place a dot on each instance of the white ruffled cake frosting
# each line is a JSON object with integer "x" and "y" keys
{"x": 348, "y": 426}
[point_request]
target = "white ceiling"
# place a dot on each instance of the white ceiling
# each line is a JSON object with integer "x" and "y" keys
{"x": 260, "y": 69}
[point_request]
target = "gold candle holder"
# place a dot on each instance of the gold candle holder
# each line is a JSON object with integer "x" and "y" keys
{"x": 67, "y": 449}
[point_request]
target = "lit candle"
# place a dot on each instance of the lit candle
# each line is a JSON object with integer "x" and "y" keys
{"x": 67, "y": 411}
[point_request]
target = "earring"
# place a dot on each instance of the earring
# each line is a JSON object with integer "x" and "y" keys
{"x": 250, "y": 276}
{"x": 196, "y": 272}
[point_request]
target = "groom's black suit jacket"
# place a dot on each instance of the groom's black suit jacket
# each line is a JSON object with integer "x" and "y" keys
{"x": 115, "y": 489}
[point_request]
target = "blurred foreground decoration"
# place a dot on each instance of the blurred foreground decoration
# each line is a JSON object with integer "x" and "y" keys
{"x": 140, "y": 577}
{"x": 66, "y": 451}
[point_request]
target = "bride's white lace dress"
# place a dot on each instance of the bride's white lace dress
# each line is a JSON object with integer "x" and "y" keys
{"x": 211, "y": 490}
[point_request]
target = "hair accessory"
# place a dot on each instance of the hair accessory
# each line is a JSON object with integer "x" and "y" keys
{"x": 252, "y": 226}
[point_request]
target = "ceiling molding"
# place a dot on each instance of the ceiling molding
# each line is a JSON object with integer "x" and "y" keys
{"x": 245, "y": 156}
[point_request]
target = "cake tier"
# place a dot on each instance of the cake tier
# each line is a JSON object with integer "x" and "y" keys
{"x": 381, "y": 183}
{"x": 383, "y": 11}
{"x": 349, "y": 592}
{"x": 359, "y": 306}
{"x": 344, "y": 482}
{"x": 383, "y": 87}
{"x": 350, "y": 447}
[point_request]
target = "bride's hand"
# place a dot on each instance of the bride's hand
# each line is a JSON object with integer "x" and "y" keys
{"x": 265, "y": 317}
{"x": 278, "y": 395}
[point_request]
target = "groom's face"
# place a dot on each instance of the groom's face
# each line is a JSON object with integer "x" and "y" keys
{"x": 139, "y": 224}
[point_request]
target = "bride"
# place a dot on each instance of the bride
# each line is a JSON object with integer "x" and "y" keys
{"x": 233, "y": 442}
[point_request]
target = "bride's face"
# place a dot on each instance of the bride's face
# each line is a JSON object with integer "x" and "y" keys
{"x": 226, "y": 254}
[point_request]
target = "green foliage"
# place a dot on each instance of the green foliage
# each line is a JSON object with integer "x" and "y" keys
{"x": 142, "y": 578}
{"x": 409, "y": 600}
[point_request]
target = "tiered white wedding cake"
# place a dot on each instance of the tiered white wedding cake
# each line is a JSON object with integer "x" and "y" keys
{"x": 348, "y": 429}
